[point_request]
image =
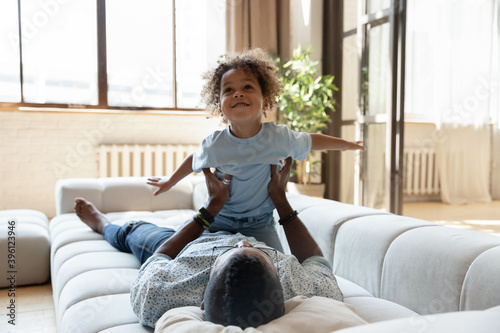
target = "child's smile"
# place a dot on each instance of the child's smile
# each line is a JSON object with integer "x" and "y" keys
{"x": 239, "y": 105}
{"x": 242, "y": 102}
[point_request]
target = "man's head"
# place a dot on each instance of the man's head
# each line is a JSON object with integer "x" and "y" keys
{"x": 243, "y": 289}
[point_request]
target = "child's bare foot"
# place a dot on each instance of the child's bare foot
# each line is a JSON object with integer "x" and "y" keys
{"x": 90, "y": 215}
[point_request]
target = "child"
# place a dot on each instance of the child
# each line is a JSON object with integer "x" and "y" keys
{"x": 240, "y": 90}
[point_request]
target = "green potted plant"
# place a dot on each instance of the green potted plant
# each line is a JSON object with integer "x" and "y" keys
{"x": 304, "y": 104}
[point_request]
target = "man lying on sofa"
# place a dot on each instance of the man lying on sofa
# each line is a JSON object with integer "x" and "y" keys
{"x": 236, "y": 279}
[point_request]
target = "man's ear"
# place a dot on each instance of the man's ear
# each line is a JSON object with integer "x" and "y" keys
{"x": 202, "y": 307}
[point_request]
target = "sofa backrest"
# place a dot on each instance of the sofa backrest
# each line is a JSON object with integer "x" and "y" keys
{"x": 421, "y": 265}
{"x": 117, "y": 194}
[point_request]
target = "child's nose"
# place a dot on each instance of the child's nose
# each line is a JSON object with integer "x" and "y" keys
{"x": 238, "y": 94}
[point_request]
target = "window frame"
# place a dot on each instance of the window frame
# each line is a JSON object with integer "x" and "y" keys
{"x": 334, "y": 35}
{"x": 102, "y": 75}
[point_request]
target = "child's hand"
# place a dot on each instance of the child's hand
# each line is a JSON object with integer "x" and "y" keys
{"x": 162, "y": 184}
{"x": 351, "y": 145}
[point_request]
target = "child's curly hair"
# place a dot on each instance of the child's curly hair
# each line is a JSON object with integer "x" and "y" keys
{"x": 255, "y": 61}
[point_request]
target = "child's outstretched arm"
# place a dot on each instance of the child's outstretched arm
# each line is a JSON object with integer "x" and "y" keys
{"x": 166, "y": 184}
{"x": 326, "y": 142}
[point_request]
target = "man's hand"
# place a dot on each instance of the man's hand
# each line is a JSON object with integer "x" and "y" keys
{"x": 218, "y": 191}
{"x": 279, "y": 179}
{"x": 301, "y": 243}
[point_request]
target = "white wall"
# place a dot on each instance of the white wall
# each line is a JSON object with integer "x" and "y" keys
{"x": 38, "y": 148}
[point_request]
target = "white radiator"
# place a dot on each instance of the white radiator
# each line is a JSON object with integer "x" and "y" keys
{"x": 141, "y": 160}
{"x": 420, "y": 174}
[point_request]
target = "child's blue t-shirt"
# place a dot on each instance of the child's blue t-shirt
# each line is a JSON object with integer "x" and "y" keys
{"x": 248, "y": 161}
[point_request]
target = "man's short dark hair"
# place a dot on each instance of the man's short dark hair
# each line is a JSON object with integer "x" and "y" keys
{"x": 244, "y": 294}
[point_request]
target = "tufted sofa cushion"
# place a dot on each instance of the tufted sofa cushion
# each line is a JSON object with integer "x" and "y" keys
{"x": 24, "y": 247}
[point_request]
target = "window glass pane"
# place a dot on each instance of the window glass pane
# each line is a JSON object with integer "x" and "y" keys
{"x": 374, "y": 166}
{"x": 373, "y": 6}
{"x": 59, "y": 51}
{"x": 350, "y": 78}
{"x": 348, "y": 161}
{"x": 201, "y": 39}
{"x": 378, "y": 89}
{"x": 10, "y": 82}
{"x": 451, "y": 54}
{"x": 139, "y": 53}
{"x": 350, "y": 15}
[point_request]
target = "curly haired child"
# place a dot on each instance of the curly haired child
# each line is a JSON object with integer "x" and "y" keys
{"x": 240, "y": 89}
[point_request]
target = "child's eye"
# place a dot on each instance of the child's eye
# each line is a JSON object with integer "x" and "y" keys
{"x": 248, "y": 86}
{"x": 228, "y": 90}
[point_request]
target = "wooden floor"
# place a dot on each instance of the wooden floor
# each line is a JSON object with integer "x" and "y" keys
{"x": 35, "y": 311}
{"x": 482, "y": 217}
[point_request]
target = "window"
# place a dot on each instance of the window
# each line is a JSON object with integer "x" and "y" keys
{"x": 133, "y": 54}
{"x": 59, "y": 53}
{"x": 202, "y": 24}
{"x": 370, "y": 78}
{"x": 140, "y": 68}
{"x": 10, "y": 80}
{"x": 451, "y": 61}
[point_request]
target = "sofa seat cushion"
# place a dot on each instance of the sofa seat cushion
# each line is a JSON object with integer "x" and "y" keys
{"x": 24, "y": 247}
{"x": 350, "y": 289}
{"x": 456, "y": 322}
{"x": 73, "y": 249}
{"x": 86, "y": 262}
{"x": 302, "y": 314}
{"x": 98, "y": 313}
{"x": 374, "y": 309}
{"x": 99, "y": 282}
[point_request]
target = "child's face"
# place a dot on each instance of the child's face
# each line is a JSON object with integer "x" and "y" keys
{"x": 241, "y": 98}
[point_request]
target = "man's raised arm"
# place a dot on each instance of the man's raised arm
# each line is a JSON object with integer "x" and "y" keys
{"x": 218, "y": 194}
{"x": 302, "y": 244}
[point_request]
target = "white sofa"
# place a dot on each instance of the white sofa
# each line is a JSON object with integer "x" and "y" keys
{"x": 24, "y": 247}
{"x": 396, "y": 271}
